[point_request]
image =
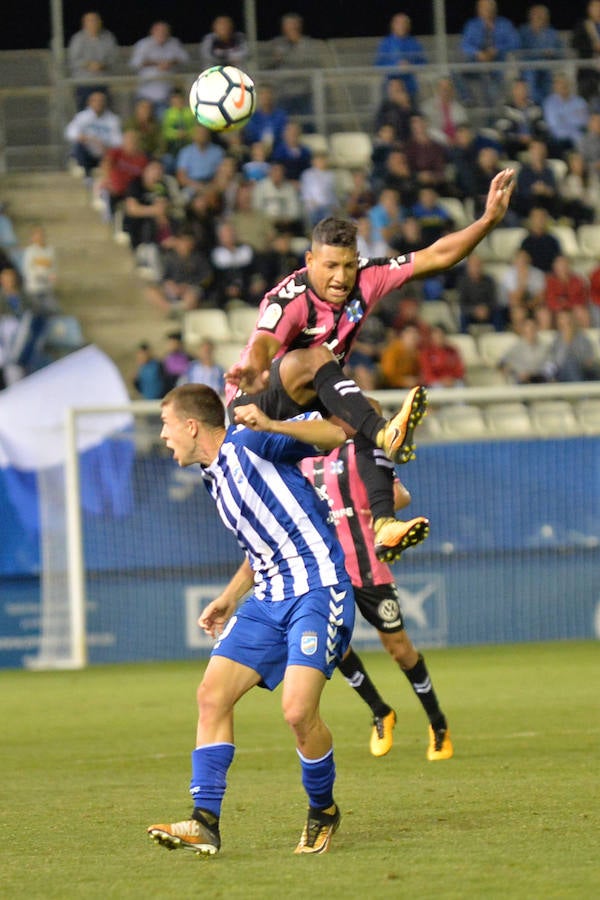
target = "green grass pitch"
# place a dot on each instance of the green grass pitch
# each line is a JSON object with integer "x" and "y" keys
{"x": 91, "y": 758}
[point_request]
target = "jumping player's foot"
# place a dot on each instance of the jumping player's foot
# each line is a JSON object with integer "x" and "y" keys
{"x": 381, "y": 735}
{"x": 396, "y": 438}
{"x": 440, "y": 744}
{"x": 192, "y": 834}
{"x": 316, "y": 834}
{"x": 392, "y": 536}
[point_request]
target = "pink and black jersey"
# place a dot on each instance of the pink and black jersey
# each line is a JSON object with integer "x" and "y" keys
{"x": 336, "y": 478}
{"x": 294, "y": 314}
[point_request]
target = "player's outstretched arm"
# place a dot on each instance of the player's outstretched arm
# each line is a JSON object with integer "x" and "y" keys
{"x": 321, "y": 433}
{"x": 218, "y": 611}
{"x": 450, "y": 249}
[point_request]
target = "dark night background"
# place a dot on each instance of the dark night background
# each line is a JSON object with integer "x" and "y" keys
{"x": 28, "y": 24}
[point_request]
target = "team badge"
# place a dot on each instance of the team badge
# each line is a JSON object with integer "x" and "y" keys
{"x": 309, "y": 643}
{"x": 336, "y": 466}
{"x": 354, "y": 311}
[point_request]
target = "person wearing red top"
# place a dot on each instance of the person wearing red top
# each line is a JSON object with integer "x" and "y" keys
{"x": 440, "y": 363}
{"x": 119, "y": 167}
{"x": 594, "y": 277}
{"x": 565, "y": 289}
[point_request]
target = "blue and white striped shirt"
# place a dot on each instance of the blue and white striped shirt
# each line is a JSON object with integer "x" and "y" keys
{"x": 278, "y": 519}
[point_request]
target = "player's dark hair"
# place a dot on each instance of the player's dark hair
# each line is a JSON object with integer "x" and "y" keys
{"x": 197, "y": 401}
{"x": 335, "y": 232}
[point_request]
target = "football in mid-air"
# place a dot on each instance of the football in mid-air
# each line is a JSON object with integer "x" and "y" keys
{"x": 223, "y": 98}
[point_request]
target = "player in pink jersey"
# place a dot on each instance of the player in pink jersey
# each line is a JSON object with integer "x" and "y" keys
{"x": 336, "y": 478}
{"x": 305, "y": 329}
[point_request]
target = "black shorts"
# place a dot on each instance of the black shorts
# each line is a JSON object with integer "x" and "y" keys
{"x": 274, "y": 401}
{"x": 380, "y": 606}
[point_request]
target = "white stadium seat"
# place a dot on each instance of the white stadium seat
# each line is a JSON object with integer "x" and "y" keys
{"x": 506, "y": 241}
{"x": 467, "y": 347}
{"x": 350, "y": 149}
{"x": 493, "y": 345}
{"x": 508, "y": 419}
{"x": 589, "y": 241}
{"x": 554, "y": 418}
{"x": 205, "y": 323}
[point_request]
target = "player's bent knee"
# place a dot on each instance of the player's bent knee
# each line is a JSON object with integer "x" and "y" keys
{"x": 213, "y": 703}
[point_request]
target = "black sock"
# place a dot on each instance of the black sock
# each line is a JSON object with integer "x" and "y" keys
{"x": 355, "y": 674}
{"x": 377, "y": 474}
{"x": 344, "y": 399}
{"x": 207, "y": 818}
{"x": 421, "y": 685}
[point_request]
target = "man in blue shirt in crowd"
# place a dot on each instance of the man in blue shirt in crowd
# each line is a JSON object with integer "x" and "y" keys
{"x": 400, "y": 49}
{"x": 487, "y": 38}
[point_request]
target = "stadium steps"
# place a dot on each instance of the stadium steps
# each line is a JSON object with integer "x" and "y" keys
{"x": 97, "y": 281}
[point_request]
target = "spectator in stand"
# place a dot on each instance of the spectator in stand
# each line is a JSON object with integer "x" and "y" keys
{"x": 486, "y": 38}
{"x": 368, "y": 246}
{"x": 13, "y": 300}
{"x": 594, "y": 279}
{"x": 363, "y": 362}
{"x": 147, "y": 207}
{"x": 540, "y": 41}
{"x": 295, "y": 156}
{"x": 149, "y": 378}
{"x": 39, "y": 271}
{"x": 401, "y": 51}
{"x": 536, "y": 183}
{"x": 487, "y": 165}
{"x": 257, "y": 166}
{"x": 444, "y": 113}
{"x": 478, "y": 297}
{"x": 589, "y": 143}
{"x": 399, "y": 363}
{"x": 439, "y": 361}
{"x": 585, "y": 41}
{"x": 92, "y": 53}
{"x": 199, "y": 217}
{"x": 279, "y": 199}
{"x": 521, "y": 287}
{"x": 526, "y": 362}
{"x": 397, "y": 175}
{"x": 396, "y": 109}
{"x": 226, "y": 182}
{"x": 92, "y": 132}
{"x": 579, "y": 190}
{"x": 565, "y": 289}
{"x": 235, "y": 265}
{"x": 156, "y": 58}
{"x": 252, "y": 226}
{"x": 572, "y": 356}
{"x": 384, "y": 141}
{"x": 144, "y": 122}
{"x": 463, "y": 159}
{"x": 118, "y": 168}
{"x": 427, "y": 158}
{"x": 386, "y": 216}
{"x": 176, "y": 360}
{"x": 433, "y": 218}
{"x": 203, "y": 368}
{"x": 521, "y": 122}
{"x": 223, "y": 45}
{"x": 361, "y": 196}
{"x": 566, "y": 115}
{"x": 278, "y": 259}
{"x": 268, "y": 121}
{"x": 292, "y": 49}
{"x": 318, "y": 192}
{"x": 197, "y": 162}
{"x": 542, "y": 246}
{"x": 9, "y": 242}
{"x": 176, "y": 128}
{"x": 187, "y": 277}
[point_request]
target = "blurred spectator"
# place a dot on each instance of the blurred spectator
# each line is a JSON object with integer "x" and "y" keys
{"x": 176, "y": 360}
{"x": 400, "y": 50}
{"x": 279, "y": 200}
{"x": 566, "y": 115}
{"x": 444, "y": 113}
{"x": 92, "y": 53}
{"x": 278, "y": 259}
{"x": 536, "y": 184}
{"x": 252, "y": 226}
{"x": 526, "y": 362}
{"x": 236, "y": 269}
{"x": 398, "y": 176}
{"x": 585, "y": 41}
{"x": 395, "y": 109}
{"x": 594, "y": 281}
{"x": 223, "y": 45}
{"x": 149, "y": 378}
{"x": 92, "y": 132}
{"x": 522, "y": 286}
{"x": 176, "y": 128}
{"x": 363, "y": 361}
{"x": 433, "y": 218}
{"x": 572, "y": 356}
{"x": 386, "y": 216}
{"x": 588, "y": 143}
{"x": 13, "y": 301}
{"x": 361, "y": 196}
{"x": 9, "y": 242}
{"x": 145, "y": 123}
{"x": 487, "y": 165}
{"x": 9, "y": 331}
{"x": 292, "y": 49}
{"x": 399, "y": 361}
{"x": 521, "y": 122}
{"x": 427, "y": 158}
{"x": 268, "y": 121}
{"x": 540, "y": 41}
{"x": 257, "y": 167}
{"x": 579, "y": 190}
{"x": 318, "y": 192}
{"x": 200, "y": 214}
{"x": 147, "y": 207}
{"x": 197, "y": 162}
{"x": 155, "y": 57}
{"x": 39, "y": 271}
{"x": 186, "y": 276}
{"x": 368, "y": 246}
{"x": 439, "y": 361}
{"x": 295, "y": 156}
{"x": 478, "y": 297}
{"x": 118, "y": 168}
{"x": 226, "y": 182}
{"x": 384, "y": 141}
{"x": 486, "y": 38}
{"x": 463, "y": 158}
{"x": 542, "y": 246}
{"x": 565, "y": 289}
{"x": 204, "y": 369}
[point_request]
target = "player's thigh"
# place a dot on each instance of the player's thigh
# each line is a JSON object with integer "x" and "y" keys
{"x": 320, "y": 628}
{"x": 225, "y": 681}
{"x": 380, "y": 606}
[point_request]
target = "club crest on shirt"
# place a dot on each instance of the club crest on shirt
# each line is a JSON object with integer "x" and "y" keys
{"x": 354, "y": 311}
{"x": 336, "y": 466}
{"x": 309, "y": 642}
{"x": 271, "y": 316}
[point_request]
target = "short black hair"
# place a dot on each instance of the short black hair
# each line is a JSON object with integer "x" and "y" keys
{"x": 335, "y": 232}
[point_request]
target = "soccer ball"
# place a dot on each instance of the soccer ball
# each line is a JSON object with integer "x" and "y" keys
{"x": 222, "y": 98}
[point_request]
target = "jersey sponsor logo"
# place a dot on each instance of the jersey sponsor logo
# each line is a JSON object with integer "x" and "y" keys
{"x": 309, "y": 643}
{"x": 354, "y": 311}
{"x": 320, "y": 329}
{"x": 270, "y": 317}
{"x": 388, "y": 610}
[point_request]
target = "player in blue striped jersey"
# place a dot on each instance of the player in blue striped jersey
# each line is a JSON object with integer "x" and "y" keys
{"x": 296, "y": 625}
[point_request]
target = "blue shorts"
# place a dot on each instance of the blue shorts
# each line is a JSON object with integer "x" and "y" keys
{"x": 312, "y": 630}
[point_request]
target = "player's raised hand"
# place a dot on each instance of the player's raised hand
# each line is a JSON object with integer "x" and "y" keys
{"x": 252, "y": 417}
{"x": 499, "y": 194}
{"x": 247, "y": 378}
